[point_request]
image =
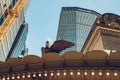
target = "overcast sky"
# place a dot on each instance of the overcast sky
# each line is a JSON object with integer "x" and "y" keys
{"x": 43, "y": 18}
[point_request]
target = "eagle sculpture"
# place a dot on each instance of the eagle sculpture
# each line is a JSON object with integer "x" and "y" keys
{"x": 57, "y": 46}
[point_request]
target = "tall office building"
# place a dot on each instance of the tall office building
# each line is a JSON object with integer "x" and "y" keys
{"x": 74, "y": 25}
{"x": 13, "y": 28}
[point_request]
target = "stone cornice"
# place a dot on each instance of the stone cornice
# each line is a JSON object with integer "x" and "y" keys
{"x": 97, "y": 32}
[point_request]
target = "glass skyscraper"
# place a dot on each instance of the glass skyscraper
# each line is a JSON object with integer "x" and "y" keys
{"x": 74, "y": 26}
{"x": 13, "y": 28}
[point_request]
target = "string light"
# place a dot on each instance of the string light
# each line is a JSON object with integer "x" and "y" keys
{"x": 107, "y": 73}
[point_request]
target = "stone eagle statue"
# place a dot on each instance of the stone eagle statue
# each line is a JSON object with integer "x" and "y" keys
{"x": 57, "y": 46}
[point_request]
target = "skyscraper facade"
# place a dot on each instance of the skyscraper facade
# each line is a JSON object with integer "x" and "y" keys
{"x": 13, "y": 28}
{"x": 74, "y": 25}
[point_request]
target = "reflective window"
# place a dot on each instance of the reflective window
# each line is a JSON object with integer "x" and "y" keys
{"x": 75, "y": 25}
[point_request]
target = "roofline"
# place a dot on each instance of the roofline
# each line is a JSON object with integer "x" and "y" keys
{"x": 83, "y": 9}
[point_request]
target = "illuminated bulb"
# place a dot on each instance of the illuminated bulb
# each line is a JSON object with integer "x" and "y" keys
{"x": 85, "y": 73}
{"x": 13, "y": 77}
{"x": 39, "y": 75}
{"x": 100, "y": 73}
{"x": 93, "y": 73}
{"x": 3, "y": 78}
{"x": 51, "y": 74}
{"x": 45, "y": 74}
{"x": 78, "y": 73}
{"x": 115, "y": 74}
{"x": 64, "y": 73}
{"x": 107, "y": 73}
{"x": 8, "y": 78}
{"x": 108, "y": 24}
{"x": 58, "y": 74}
{"x": 23, "y": 76}
{"x": 34, "y": 75}
{"x": 18, "y": 77}
{"x": 28, "y": 76}
{"x": 71, "y": 73}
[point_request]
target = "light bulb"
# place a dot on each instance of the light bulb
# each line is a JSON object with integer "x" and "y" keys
{"x": 78, "y": 73}
{"x": 45, "y": 74}
{"x": 23, "y": 76}
{"x": 58, "y": 74}
{"x": 28, "y": 76}
{"x": 107, "y": 73}
{"x": 85, "y": 73}
{"x": 64, "y": 73}
{"x": 71, "y": 73}
{"x": 51, "y": 74}
{"x": 13, "y": 77}
{"x": 34, "y": 75}
{"x": 8, "y": 78}
{"x": 100, "y": 73}
{"x": 3, "y": 78}
{"x": 115, "y": 74}
{"x": 39, "y": 75}
{"x": 18, "y": 77}
{"x": 93, "y": 73}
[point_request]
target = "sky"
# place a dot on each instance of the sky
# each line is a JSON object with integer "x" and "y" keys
{"x": 43, "y": 18}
